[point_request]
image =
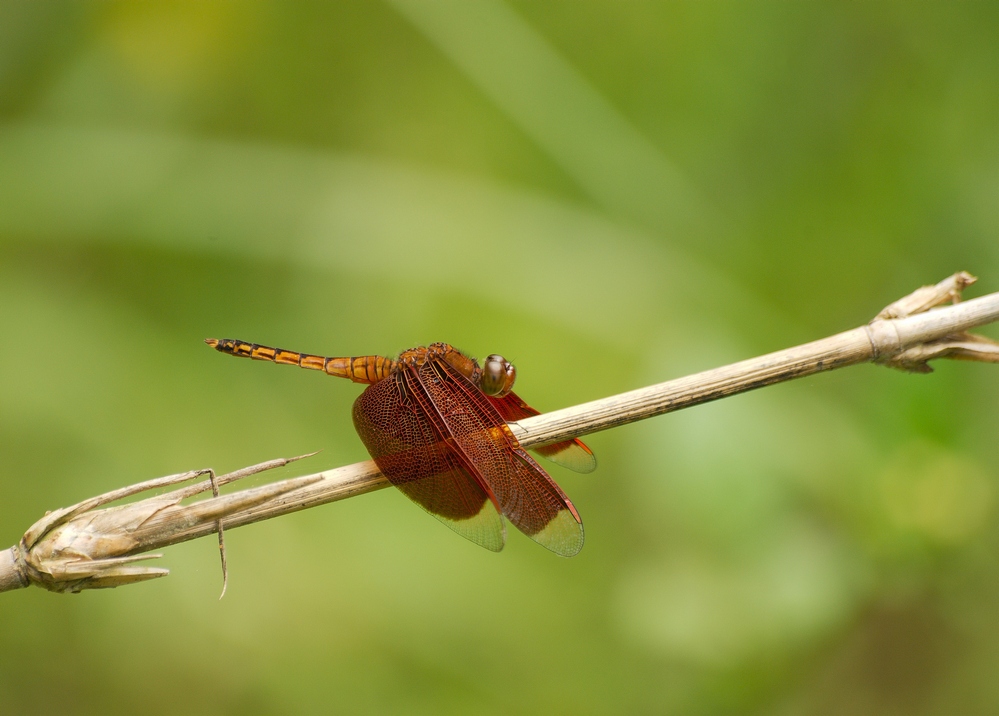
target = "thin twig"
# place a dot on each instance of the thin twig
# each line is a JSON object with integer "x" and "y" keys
{"x": 84, "y": 547}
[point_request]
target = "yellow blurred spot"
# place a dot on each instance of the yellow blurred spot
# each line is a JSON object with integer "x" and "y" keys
{"x": 938, "y": 493}
{"x": 172, "y": 45}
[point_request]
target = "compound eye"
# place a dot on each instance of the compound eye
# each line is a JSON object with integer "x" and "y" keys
{"x": 498, "y": 376}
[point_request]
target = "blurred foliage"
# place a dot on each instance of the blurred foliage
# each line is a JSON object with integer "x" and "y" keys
{"x": 609, "y": 194}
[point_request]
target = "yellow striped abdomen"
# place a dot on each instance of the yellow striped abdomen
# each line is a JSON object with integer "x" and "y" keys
{"x": 360, "y": 369}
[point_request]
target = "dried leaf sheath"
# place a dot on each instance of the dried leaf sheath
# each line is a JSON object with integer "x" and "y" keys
{"x": 89, "y": 546}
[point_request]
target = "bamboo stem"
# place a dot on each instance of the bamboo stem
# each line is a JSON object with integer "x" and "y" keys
{"x": 880, "y": 339}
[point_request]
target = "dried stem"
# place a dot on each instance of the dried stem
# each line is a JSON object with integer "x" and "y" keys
{"x": 85, "y": 547}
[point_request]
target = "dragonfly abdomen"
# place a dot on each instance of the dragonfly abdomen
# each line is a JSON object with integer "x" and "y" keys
{"x": 360, "y": 369}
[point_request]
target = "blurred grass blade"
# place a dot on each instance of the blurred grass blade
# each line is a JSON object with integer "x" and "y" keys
{"x": 558, "y": 108}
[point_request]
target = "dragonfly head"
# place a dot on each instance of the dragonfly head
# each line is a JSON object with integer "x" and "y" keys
{"x": 498, "y": 375}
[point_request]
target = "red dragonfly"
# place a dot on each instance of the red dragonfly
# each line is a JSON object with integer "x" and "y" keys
{"x": 435, "y": 423}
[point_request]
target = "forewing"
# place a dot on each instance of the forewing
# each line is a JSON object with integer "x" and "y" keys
{"x": 527, "y": 496}
{"x": 412, "y": 454}
{"x": 572, "y": 454}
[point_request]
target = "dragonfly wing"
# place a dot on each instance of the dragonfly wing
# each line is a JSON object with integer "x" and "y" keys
{"x": 411, "y": 452}
{"x": 526, "y": 495}
{"x": 540, "y": 509}
{"x": 572, "y": 454}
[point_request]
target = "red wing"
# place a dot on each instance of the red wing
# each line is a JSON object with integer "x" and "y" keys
{"x": 572, "y": 454}
{"x": 412, "y": 454}
{"x": 527, "y": 496}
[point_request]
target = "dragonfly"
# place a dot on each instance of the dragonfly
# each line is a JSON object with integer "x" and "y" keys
{"x": 435, "y": 423}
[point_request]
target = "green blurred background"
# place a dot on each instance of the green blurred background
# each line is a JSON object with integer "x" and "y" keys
{"x": 609, "y": 194}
